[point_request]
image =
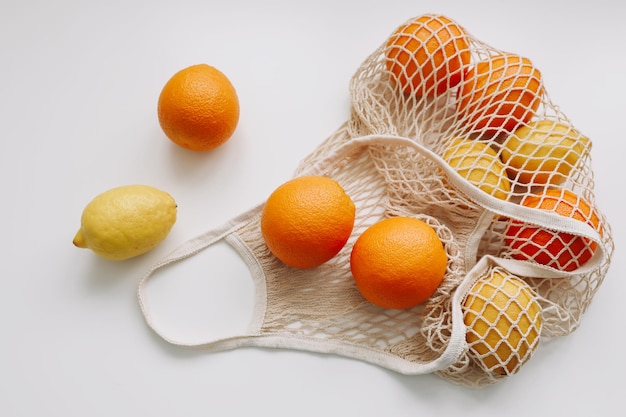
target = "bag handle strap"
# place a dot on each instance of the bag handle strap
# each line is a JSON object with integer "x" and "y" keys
{"x": 493, "y": 204}
{"x": 255, "y": 337}
{"x": 225, "y": 232}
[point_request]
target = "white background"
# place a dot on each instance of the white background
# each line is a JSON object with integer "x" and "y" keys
{"x": 79, "y": 83}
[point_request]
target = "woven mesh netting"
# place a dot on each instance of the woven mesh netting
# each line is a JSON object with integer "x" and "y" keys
{"x": 323, "y": 304}
{"x": 504, "y": 175}
{"x": 454, "y": 132}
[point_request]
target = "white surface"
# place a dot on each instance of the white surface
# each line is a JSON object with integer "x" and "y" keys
{"x": 78, "y": 92}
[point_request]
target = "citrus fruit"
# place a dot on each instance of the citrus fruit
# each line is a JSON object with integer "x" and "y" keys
{"x": 398, "y": 262}
{"x": 503, "y": 322}
{"x": 499, "y": 93}
{"x": 560, "y": 250}
{"x": 427, "y": 54}
{"x": 307, "y": 221}
{"x": 198, "y": 108}
{"x": 543, "y": 152}
{"x": 126, "y": 221}
{"x": 477, "y": 162}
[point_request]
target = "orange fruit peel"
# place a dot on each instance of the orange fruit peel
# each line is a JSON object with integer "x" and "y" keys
{"x": 426, "y": 56}
{"x": 560, "y": 250}
{"x": 499, "y": 93}
{"x": 398, "y": 262}
{"x": 306, "y": 221}
{"x": 198, "y": 108}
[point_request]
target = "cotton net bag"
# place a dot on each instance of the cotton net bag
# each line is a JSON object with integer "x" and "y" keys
{"x": 452, "y": 131}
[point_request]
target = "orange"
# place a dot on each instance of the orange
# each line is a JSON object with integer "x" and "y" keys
{"x": 500, "y": 93}
{"x": 427, "y": 55}
{"x": 398, "y": 262}
{"x": 307, "y": 221}
{"x": 560, "y": 250}
{"x": 198, "y": 108}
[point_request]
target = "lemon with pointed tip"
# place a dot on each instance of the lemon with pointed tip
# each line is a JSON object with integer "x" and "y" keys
{"x": 126, "y": 221}
{"x": 544, "y": 152}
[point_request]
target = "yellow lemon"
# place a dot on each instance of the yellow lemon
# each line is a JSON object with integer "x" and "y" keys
{"x": 477, "y": 162}
{"x": 503, "y": 321}
{"x": 126, "y": 221}
{"x": 543, "y": 152}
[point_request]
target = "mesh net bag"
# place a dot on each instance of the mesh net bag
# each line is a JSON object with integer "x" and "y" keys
{"x": 499, "y": 130}
{"x": 450, "y": 130}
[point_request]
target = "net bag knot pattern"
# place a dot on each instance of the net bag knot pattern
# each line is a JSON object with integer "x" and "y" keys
{"x": 463, "y": 136}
